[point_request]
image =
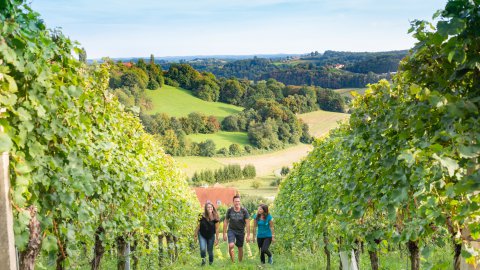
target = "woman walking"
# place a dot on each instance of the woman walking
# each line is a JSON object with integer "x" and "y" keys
{"x": 207, "y": 232}
{"x": 265, "y": 233}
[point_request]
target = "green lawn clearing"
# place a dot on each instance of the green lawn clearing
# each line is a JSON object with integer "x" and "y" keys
{"x": 222, "y": 138}
{"x": 264, "y": 190}
{"x": 179, "y": 102}
{"x": 190, "y": 165}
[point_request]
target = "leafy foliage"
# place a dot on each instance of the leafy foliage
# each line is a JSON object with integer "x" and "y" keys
{"x": 75, "y": 154}
{"x": 406, "y": 167}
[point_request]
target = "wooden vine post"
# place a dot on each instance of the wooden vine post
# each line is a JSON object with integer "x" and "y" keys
{"x": 7, "y": 240}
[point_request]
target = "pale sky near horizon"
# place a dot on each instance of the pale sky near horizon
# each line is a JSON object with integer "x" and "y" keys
{"x": 119, "y": 28}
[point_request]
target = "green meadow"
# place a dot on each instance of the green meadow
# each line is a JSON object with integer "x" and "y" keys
{"x": 265, "y": 189}
{"x": 320, "y": 122}
{"x": 222, "y": 138}
{"x": 179, "y": 102}
{"x": 347, "y": 92}
{"x": 192, "y": 164}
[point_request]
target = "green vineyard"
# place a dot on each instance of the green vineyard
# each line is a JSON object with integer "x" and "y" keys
{"x": 405, "y": 170}
{"x": 397, "y": 184}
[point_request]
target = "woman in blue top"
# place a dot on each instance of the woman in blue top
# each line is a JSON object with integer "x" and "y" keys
{"x": 265, "y": 234}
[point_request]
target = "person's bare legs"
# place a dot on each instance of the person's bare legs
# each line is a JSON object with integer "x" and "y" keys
{"x": 231, "y": 246}
{"x": 240, "y": 254}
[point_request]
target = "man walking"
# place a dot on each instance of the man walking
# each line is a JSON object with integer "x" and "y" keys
{"x": 236, "y": 219}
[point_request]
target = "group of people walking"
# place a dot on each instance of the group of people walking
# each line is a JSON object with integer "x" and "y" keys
{"x": 237, "y": 219}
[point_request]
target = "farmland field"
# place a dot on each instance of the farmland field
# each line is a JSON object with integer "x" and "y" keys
{"x": 267, "y": 164}
{"x": 320, "y": 122}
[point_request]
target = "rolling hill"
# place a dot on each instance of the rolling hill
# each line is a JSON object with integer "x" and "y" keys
{"x": 180, "y": 102}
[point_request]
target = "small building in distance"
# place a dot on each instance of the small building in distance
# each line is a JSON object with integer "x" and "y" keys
{"x": 217, "y": 195}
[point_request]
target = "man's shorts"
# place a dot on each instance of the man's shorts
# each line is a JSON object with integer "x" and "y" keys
{"x": 236, "y": 237}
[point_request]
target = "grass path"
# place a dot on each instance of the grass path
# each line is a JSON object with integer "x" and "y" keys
{"x": 282, "y": 259}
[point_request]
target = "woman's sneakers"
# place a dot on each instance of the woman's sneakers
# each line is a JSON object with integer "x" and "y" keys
{"x": 270, "y": 259}
{"x": 203, "y": 262}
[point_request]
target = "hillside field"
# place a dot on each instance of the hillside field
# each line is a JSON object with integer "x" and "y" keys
{"x": 347, "y": 92}
{"x": 321, "y": 122}
{"x": 179, "y": 102}
{"x": 268, "y": 164}
{"x": 222, "y": 138}
{"x": 192, "y": 164}
{"x": 264, "y": 190}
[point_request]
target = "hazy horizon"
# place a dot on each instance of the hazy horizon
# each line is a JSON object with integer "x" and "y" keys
{"x": 241, "y": 55}
{"x": 124, "y": 29}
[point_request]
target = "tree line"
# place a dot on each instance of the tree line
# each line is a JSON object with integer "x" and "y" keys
{"x": 222, "y": 175}
{"x": 358, "y": 68}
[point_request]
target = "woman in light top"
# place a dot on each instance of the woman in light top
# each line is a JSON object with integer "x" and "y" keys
{"x": 263, "y": 231}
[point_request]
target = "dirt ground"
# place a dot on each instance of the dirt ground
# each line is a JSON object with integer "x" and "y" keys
{"x": 266, "y": 164}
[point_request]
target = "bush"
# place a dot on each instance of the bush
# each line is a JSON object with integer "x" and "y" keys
{"x": 171, "y": 82}
{"x": 248, "y": 148}
{"x": 306, "y": 137}
{"x": 264, "y": 135}
{"x": 124, "y": 98}
{"x": 234, "y": 149}
{"x": 222, "y": 211}
{"x": 225, "y": 174}
{"x": 223, "y": 151}
{"x": 207, "y": 148}
{"x": 276, "y": 182}
{"x": 234, "y": 172}
{"x": 212, "y": 125}
{"x": 153, "y": 85}
{"x": 285, "y": 170}
{"x": 205, "y": 176}
{"x": 255, "y": 184}
{"x": 251, "y": 203}
{"x": 249, "y": 171}
{"x": 230, "y": 123}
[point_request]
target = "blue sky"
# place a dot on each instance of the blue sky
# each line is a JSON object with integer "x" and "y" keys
{"x": 119, "y": 28}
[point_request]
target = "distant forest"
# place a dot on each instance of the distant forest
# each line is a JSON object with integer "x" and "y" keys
{"x": 332, "y": 69}
{"x": 269, "y": 115}
{"x": 271, "y": 90}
